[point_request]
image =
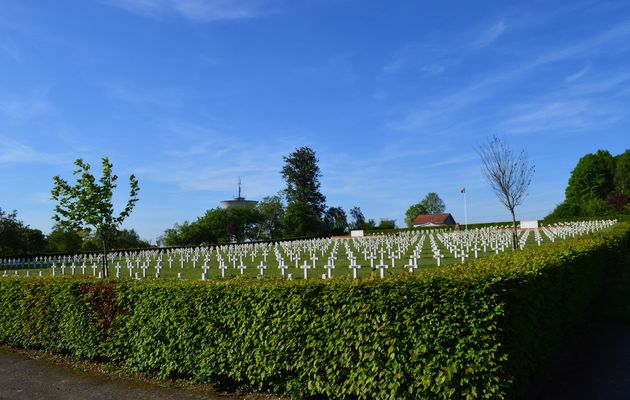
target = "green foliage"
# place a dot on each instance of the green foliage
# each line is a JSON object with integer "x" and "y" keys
{"x": 357, "y": 218}
{"x": 217, "y": 225}
{"x": 17, "y": 239}
{"x": 592, "y": 177}
{"x": 88, "y": 203}
{"x": 387, "y": 224}
{"x": 412, "y": 212}
{"x": 622, "y": 172}
{"x": 54, "y": 314}
{"x": 65, "y": 240}
{"x": 599, "y": 186}
{"x": 306, "y": 202}
{"x": 479, "y": 330}
{"x": 271, "y": 212}
{"x": 336, "y": 221}
{"x": 433, "y": 204}
{"x": 300, "y": 220}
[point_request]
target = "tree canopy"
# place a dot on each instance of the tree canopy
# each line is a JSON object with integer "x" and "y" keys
{"x": 599, "y": 185}
{"x": 306, "y": 203}
{"x": 413, "y": 211}
{"x": 88, "y": 203}
{"x": 592, "y": 177}
{"x": 216, "y": 226}
{"x": 433, "y": 204}
{"x": 17, "y": 239}
{"x": 271, "y": 211}
{"x": 336, "y": 221}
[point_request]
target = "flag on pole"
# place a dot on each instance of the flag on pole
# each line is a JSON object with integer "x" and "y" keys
{"x": 462, "y": 190}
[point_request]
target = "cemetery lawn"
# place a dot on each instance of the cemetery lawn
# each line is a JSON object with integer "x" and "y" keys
{"x": 418, "y": 249}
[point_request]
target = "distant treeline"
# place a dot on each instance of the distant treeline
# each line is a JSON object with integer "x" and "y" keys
{"x": 17, "y": 239}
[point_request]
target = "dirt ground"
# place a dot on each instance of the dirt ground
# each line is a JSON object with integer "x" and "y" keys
{"x": 35, "y": 375}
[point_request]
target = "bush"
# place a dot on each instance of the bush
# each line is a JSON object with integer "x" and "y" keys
{"x": 479, "y": 330}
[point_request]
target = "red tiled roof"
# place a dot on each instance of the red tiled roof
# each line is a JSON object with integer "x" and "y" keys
{"x": 431, "y": 219}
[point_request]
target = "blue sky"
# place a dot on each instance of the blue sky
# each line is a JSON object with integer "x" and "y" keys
{"x": 393, "y": 96}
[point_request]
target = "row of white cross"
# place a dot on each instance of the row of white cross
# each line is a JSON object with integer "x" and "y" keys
{"x": 380, "y": 252}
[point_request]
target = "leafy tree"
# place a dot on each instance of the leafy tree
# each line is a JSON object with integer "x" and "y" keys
{"x": 565, "y": 210}
{"x": 10, "y": 234}
{"x": 120, "y": 239}
{"x": 433, "y": 204}
{"x": 387, "y": 224}
{"x": 336, "y": 220}
{"x": 241, "y": 224}
{"x": 596, "y": 207}
{"x": 618, "y": 201}
{"x": 189, "y": 234}
{"x": 369, "y": 224}
{"x": 413, "y": 211}
{"x": 271, "y": 212}
{"x": 302, "y": 174}
{"x": 592, "y": 177}
{"x": 302, "y": 221}
{"x": 509, "y": 176}
{"x": 64, "y": 240}
{"x": 358, "y": 219}
{"x": 17, "y": 239}
{"x": 622, "y": 172}
{"x": 88, "y": 203}
{"x": 217, "y": 225}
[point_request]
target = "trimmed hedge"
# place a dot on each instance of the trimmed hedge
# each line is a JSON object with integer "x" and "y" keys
{"x": 479, "y": 330}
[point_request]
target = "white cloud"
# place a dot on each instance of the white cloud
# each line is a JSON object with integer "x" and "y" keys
{"x": 445, "y": 107}
{"x": 562, "y": 116}
{"x": 491, "y": 34}
{"x": 25, "y": 108}
{"x": 196, "y": 10}
{"x": 577, "y": 75}
{"x": 12, "y": 152}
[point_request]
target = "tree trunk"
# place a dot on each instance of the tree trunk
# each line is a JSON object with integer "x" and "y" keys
{"x": 514, "y": 231}
{"x": 105, "y": 264}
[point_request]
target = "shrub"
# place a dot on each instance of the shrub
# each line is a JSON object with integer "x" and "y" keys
{"x": 479, "y": 330}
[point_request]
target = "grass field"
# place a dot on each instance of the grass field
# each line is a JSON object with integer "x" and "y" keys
{"x": 245, "y": 260}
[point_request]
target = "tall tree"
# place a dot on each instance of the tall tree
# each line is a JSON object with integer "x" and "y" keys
{"x": 301, "y": 173}
{"x": 433, "y": 204}
{"x": 508, "y": 174}
{"x": 622, "y": 172}
{"x": 413, "y": 211}
{"x": 592, "y": 177}
{"x": 88, "y": 203}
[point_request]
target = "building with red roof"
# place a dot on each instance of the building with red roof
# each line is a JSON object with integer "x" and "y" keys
{"x": 444, "y": 219}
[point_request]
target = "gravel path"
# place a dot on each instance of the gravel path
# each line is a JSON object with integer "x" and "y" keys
{"x": 25, "y": 378}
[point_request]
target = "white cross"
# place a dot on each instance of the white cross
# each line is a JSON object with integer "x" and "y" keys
{"x": 305, "y": 267}
{"x": 382, "y": 267}
{"x": 330, "y": 266}
{"x": 355, "y": 268}
{"x": 262, "y": 267}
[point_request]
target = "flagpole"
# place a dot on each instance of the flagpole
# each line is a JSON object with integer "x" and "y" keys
{"x": 465, "y": 212}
